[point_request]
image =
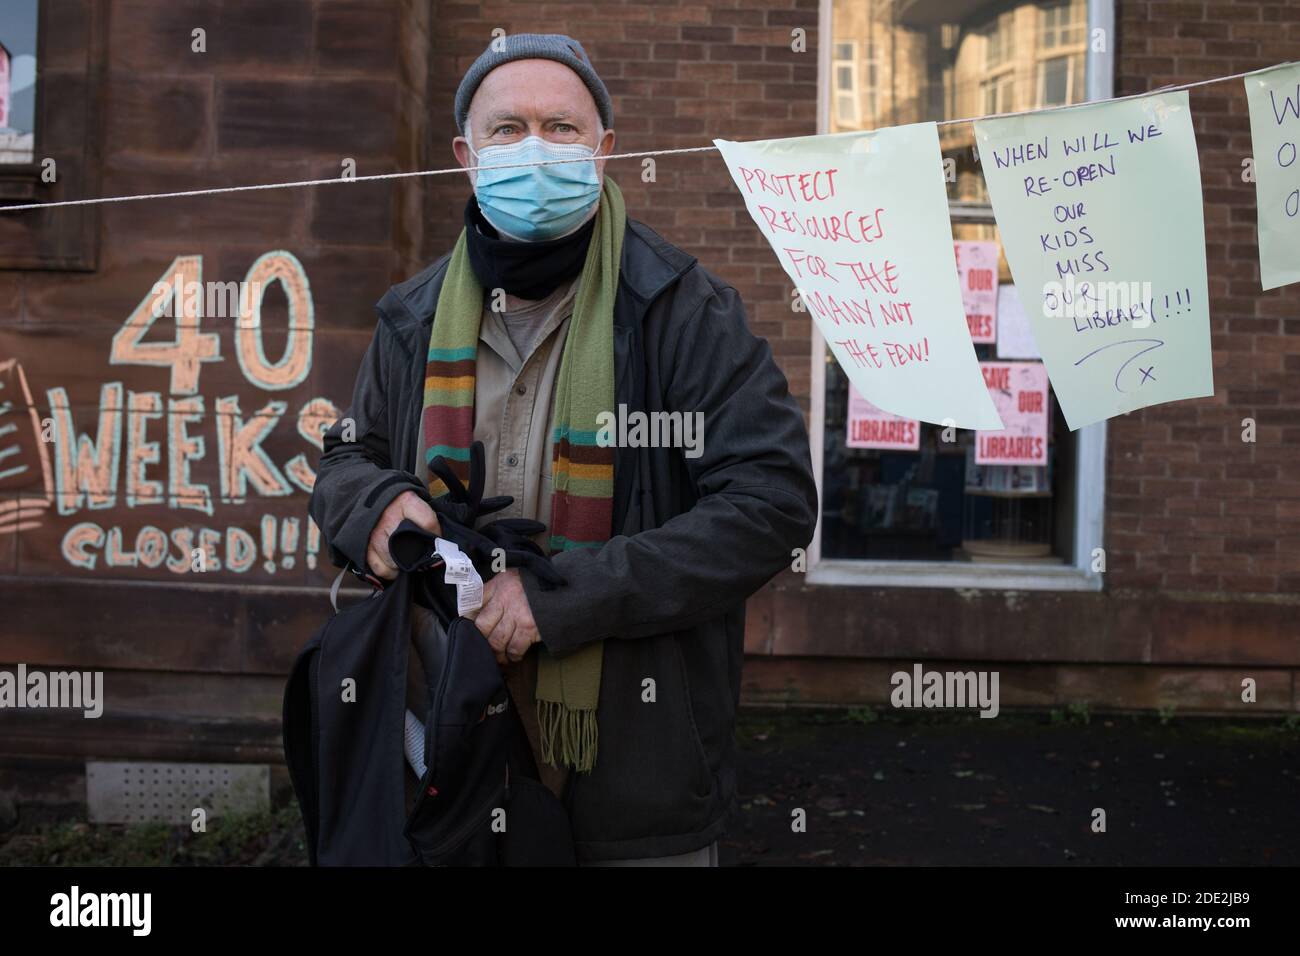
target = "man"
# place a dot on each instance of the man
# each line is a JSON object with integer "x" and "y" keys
{"x": 554, "y": 318}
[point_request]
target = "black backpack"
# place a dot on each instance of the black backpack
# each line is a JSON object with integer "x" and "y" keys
{"x": 480, "y": 801}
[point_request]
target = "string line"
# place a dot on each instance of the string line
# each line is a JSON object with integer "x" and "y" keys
{"x": 376, "y": 177}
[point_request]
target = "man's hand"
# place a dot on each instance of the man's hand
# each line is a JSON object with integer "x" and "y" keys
{"x": 505, "y": 619}
{"x": 406, "y": 505}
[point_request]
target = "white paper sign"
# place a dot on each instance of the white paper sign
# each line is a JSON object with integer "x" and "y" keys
{"x": 1099, "y": 207}
{"x": 860, "y": 223}
{"x": 1273, "y": 97}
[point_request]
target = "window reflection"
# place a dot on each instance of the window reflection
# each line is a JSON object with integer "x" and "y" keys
{"x": 908, "y": 61}
{"x": 17, "y": 80}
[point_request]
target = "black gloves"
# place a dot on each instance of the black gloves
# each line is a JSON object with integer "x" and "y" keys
{"x": 460, "y": 508}
{"x": 465, "y": 506}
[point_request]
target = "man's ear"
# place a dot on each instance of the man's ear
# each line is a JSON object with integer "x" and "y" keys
{"x": 604, "y": 148}
{"x": 460, "y": 148}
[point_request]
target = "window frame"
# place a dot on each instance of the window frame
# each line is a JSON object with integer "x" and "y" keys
{"x": 1076, "y": 573}
{"x": 1071, "y": 79}
{"x": 1074, "y": 54}
{"x": 999, "y": 77}
{"x": 851, "y": 94}
{"x": 70, "y": 77}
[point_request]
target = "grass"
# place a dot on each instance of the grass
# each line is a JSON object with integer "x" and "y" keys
{"x": 273, "y": 838}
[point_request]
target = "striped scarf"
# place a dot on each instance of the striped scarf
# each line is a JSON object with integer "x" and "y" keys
{"x": 582, "y": 502}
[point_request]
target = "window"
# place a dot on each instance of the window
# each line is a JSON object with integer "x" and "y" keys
{"x": 900, "y": 503}
{"x": 17, "y": 80}
{"x": 48, "y": 141}
{"x": 846, "y": 82}
{"x": 998, "y": 87}
{"x": 997, "y": 42}
{"x": 1061, "y": 44}
{"x": 999, "y": 95}
{"x": 1059, "y": 80}
{"x": 1063, "y": 23}
{"x": 872, "y": 79}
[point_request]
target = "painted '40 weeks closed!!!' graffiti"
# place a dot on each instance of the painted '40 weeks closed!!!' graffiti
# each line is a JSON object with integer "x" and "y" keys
{"x": 157, "y": 449}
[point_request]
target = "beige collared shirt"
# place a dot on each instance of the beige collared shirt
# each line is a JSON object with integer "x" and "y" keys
{"x": 513, "y": 397}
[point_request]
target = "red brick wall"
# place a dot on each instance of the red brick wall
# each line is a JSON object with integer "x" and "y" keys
{"x": 285, "y": 91}
{"x": 1190, "y": 506}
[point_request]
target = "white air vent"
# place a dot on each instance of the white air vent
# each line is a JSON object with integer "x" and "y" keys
{"x": 130, "y": 792}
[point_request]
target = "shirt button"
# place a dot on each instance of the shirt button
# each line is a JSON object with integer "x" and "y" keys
{"x": 512, "y": 460}
{"x": 521, "y": 389}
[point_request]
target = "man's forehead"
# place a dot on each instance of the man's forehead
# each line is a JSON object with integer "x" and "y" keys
{"x": 532, "y": 86}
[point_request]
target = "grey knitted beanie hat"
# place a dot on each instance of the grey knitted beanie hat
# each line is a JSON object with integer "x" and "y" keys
{"x": 533, "y": 46}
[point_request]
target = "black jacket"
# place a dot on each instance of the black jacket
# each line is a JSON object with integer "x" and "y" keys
{"x": 692, "y": 537}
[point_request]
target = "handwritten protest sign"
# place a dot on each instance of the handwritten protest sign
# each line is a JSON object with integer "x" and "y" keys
{"x": 870, "y": 427}
{"x": 1019, "y": 391}
{"x": 194, "y": 450}
{"x": 977, "y": 274}
{"x": 1274, "y": 100}
{"x": 860, "y": 223}
{"x": 1100, "y": 213}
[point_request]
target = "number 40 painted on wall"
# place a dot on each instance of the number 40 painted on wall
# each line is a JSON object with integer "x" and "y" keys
{"x": 182, "y": 287}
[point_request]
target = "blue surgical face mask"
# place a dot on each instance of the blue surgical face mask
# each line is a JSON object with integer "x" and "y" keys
{"x": 536, "y": 202}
